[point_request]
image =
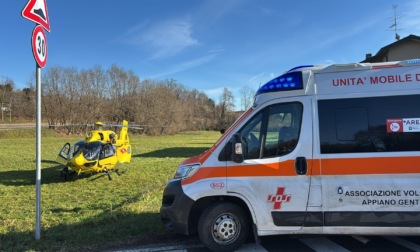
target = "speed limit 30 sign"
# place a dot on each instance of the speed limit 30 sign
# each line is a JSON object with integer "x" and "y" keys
{"x": 39, "y": 46}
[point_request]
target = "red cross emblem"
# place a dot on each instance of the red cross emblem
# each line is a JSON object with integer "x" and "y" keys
{"x": 279, "y": 197}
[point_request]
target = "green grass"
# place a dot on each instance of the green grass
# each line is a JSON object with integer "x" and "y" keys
{"x": 92, "y": 212}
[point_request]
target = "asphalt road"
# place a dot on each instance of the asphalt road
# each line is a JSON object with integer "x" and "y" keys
{"x": 333, "y": 243}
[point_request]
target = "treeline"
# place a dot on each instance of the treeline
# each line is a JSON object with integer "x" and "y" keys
{"x": 72, "y": 96}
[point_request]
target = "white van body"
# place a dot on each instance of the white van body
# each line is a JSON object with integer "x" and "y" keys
{"x": 324, "y": 150}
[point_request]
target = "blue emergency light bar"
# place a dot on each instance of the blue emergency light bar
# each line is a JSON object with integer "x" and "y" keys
{"x": 285, "y": 82}
{"x": 413, "y": 61}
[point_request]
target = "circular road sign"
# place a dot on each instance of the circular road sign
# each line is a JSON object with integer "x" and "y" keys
{"x": 39, "y": 46}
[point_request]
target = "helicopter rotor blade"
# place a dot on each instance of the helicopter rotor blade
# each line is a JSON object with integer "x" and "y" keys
{"x": 134, "y": 126}
{"x": 71, "y": 125}
{"x": 46, "y": 125}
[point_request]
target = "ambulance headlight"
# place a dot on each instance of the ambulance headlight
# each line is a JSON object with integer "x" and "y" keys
{"x": 186, "y": 171}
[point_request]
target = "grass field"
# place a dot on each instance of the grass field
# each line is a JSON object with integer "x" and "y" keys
{"x": 90, "y": 213}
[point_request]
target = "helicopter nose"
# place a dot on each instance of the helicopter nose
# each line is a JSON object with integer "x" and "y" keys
{"x": 79, "y": 160}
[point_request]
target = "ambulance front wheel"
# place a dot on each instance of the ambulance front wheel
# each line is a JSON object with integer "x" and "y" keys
{"x": 223, "y": 227}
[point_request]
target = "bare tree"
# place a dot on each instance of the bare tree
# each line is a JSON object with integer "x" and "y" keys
{"x": 24, "y": 104}
{"x": 6, "y": 96}
{"x": 247, "y": 97}
{"x": 123, "y": 88}
{"x": 93, "y": 94}
{"x": 70, "y": 96}
{"x": 226, "y": 107}
{"x": 54, "y": 100}
{"x": 6, "y": 88}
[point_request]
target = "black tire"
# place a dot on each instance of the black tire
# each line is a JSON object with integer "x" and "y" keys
{"x": 223, "y": 227}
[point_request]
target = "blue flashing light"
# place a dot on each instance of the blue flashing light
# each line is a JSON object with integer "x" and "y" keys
{"x": 285, "y": 82}
{"x": 413, "y": 61}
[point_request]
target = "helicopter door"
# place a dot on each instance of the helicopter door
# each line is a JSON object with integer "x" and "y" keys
{"x": 124, "y": 154}
{"x": 108, "y": 159}
{"x": 63, "y": 156}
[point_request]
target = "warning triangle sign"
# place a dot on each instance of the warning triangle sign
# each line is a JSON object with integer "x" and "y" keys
{"x": 36, "y": 10}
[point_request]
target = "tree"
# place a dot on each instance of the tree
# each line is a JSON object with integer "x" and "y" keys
{"x": 247, "y": 97}
{"x": 6, "y": 90}
{"x": 227, "y": 100}
{"x": 6, "y": 97}
{"x": 94, "y": 94}
{"x": 24, "y": 104}
{"x": 71, "y": 96}
{"x": 226, "y": 107}
{"x": 123, "y": 89}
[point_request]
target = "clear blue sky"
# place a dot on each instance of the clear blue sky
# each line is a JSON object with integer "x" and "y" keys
{"x": 203, "y": 44}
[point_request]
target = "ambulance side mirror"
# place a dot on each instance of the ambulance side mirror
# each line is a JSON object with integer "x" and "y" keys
{"x": 237, "y": 148}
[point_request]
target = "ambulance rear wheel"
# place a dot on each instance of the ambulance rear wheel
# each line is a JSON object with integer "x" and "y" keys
{"x": 223, "y": 227}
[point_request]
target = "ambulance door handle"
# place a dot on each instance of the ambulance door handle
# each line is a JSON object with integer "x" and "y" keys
{"x": 301, "y": 166}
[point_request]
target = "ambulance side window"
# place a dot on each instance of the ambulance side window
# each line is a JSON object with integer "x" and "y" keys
{"x": 272, "y": 132}
{"x": 250, "y": 137}
{"x": 358, "y": 125}
{"x": 283, "y": 127}
{"x": 251, "y": 133}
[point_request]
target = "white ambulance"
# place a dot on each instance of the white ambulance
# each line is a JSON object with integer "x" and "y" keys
{"x": 324, "y": 150}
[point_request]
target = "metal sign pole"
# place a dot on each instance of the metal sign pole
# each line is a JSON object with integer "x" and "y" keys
{"x": 36, "y": 10}
{"x": 38, "y": 153}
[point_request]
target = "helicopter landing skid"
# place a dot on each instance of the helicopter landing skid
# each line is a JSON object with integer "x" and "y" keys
{"x": 121, "y": 172}
{"x": 117, "y": 171}
{"x": 108, "y": 172}
{"x": 68, "y": 175}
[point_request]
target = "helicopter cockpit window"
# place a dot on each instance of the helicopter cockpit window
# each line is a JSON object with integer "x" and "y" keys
{"x": 76, "y": 148}
{"x": 92, "y": 150}
{"x": 107, "y": 151}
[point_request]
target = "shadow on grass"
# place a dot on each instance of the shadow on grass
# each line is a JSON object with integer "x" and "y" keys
{"x": 106, "y": 231}
{"x": 175, "y": 152}
{"x": 111, "y": 228}
{"x": 49, "y": 175}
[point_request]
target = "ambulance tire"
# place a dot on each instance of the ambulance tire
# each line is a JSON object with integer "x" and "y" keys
{"x": 223, "y": 227}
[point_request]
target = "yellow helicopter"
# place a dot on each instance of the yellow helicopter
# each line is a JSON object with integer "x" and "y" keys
{"x": 100, "y": 152}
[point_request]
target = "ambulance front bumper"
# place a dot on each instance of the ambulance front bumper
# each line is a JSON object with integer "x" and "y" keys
{"x": 175, "y": 209}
